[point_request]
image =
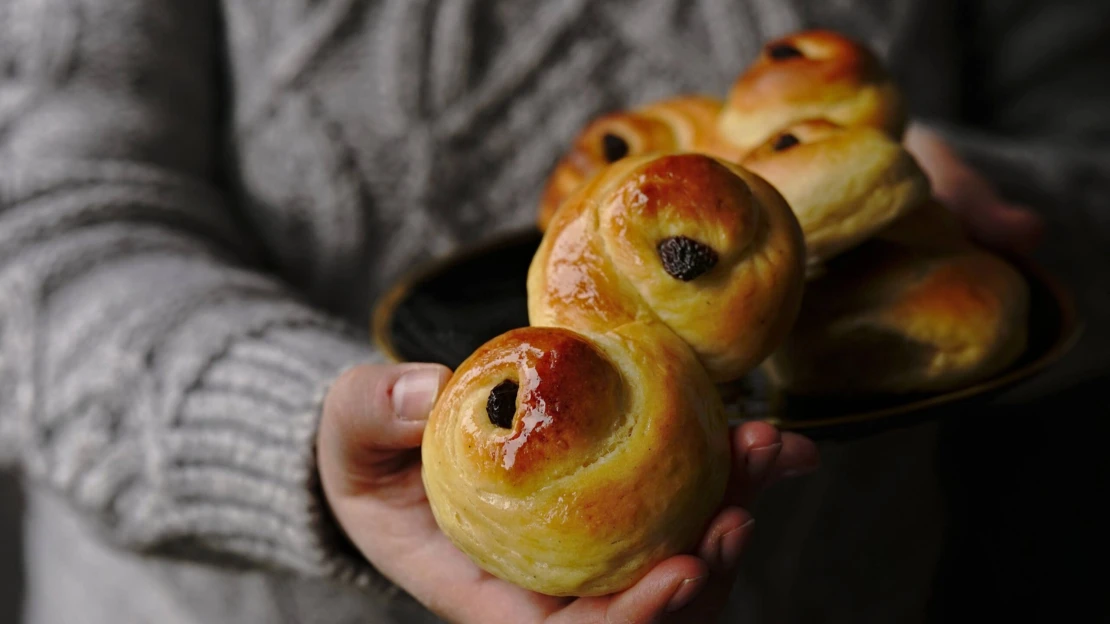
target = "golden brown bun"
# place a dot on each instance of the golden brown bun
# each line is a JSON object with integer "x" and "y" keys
{"x": 599, "y": 263}
{"x": 617, "y": 457}
{"x": 811, "y": 75}
{"x": 675, "y": 125}
{"x": 572, "y": 456}
{"x": 843, "y": 184}
{"x": 893, "y": 318}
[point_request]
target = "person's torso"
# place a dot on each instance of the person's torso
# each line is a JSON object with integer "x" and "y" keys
{"x": 367, "y": 137}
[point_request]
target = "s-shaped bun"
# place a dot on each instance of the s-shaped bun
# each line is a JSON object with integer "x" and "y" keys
{"x": 707, "y": 247}
{"x": 844, "y": 184}
{"x": 682, "y": 124}
{"x": 571, "y": 463}
{"x": 572, "y": 456}
{"x": 894, "y": 317}
{"x": 814, "y": 74}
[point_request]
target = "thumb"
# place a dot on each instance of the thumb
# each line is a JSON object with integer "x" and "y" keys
{"x": 374, "y": 409}
{"x": 991, "y": 220}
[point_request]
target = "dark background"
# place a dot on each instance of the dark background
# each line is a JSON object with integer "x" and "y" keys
{"x": 1027, "y": 524}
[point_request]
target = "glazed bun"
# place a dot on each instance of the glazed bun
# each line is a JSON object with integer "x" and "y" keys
{"x": 811, "y": 75}
{"x": 610, "y": 455}
{"x": 705, "y": 246}
{"x": 844, "y": 184}
{"x": 572, "y": 456}
{"x": 676, "y": 125}
{"x": 891, "y": 317}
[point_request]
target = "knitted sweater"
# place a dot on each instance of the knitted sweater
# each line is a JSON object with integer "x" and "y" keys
{"x": 200, "y": 201}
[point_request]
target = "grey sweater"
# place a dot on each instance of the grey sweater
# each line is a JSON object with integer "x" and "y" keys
{"x": 200, "y": 201}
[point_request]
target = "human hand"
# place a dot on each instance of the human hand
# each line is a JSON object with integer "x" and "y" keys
{"x": 369, "y": 462}
{"x": 989, "y": 218}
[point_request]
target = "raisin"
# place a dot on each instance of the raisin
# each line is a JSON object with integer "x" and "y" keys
{"x": 785, "y": 142}
{"x": 783, "y": 51}
{"x": 501, "y": 404}
{"x": 685, "y": 258}
{"x": 614, "y": 147}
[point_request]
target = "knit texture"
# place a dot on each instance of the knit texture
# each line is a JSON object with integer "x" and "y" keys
{"x": 200, "y": 201}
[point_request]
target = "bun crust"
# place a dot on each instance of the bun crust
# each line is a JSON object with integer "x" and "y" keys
{"x": 610, "y": 466}
{"x": 572, "y": 456}
{"x": 814, "y": 74}
{"x": 683, "y": 124}
{"x": 599, "y": 262}
{"x": 892, "y": 318}
{"x": 844, "y": 184}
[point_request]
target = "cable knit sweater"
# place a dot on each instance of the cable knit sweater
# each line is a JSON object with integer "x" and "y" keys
{"x": 199, "y": 202}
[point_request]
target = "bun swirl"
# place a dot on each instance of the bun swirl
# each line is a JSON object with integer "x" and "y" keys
{"x": 814, "y": 74}
{"x": 845, "y": 185}
{"x": 892, "y": 317}
{"x": 682, "y": 124}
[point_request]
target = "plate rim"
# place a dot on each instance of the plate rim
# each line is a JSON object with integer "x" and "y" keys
{"x": 1070, "y": 330}
{"x": 387, "y": 303}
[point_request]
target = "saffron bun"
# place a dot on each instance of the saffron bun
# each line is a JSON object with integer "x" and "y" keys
{"x": 603, "y": 260}
{"x": 681, "y": 124}
{"x": 571, "y": 456}
{"x": 813, "y": 74}
{"x": 895, "y": 317}
{"x": 844, "y": 184}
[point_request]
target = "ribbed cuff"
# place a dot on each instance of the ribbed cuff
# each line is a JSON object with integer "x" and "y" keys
{"x": 240, "y": 468}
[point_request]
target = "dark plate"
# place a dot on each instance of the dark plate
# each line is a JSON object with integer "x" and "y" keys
{"x": 446, "y": 310}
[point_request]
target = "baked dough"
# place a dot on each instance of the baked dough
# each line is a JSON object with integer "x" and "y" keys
{"x": 814, "y": 74}
{"x": 893, "y": 317}
{"x": 572, "y": 456}
{"x": 681, "y": 124}
{"x": 599, "y": 264}
{"x": 616, "y": 458}
{"x": 843, "y": 184}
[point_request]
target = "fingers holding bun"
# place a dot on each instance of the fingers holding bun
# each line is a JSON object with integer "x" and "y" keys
{"x": 572, "y": 456}
{"x": 571, "y": 464}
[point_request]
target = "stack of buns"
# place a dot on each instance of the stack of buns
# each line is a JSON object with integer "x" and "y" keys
{"x": 687, "y": 243}
{"x": 573, "y": 455}
{"x": 898, "y": 299}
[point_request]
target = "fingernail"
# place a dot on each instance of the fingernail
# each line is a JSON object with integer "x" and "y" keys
{"x": 686, "y": 592}
{"x": 732, "y": 542}
{"x": 760, "y": 460}
{"x": 415, "y": 393}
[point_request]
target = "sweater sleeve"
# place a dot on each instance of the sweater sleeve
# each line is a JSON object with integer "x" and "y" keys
{"x": 1035, "y": 122}
{"x": 1034, "y": 112}
{"x": 150, "y": 372}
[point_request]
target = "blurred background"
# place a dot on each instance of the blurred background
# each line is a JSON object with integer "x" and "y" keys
{"x": 11, "y": 556}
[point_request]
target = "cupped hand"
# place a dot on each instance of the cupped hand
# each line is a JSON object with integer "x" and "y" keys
{"x": 369, "y": 461}
{"x": 989, "y": 218}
